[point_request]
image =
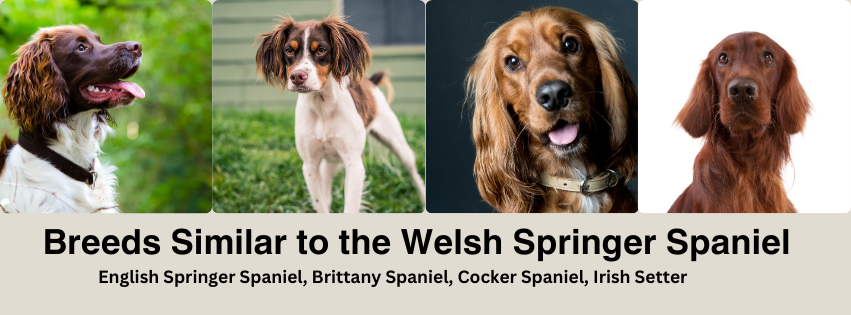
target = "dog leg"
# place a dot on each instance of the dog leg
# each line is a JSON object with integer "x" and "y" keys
{"x": 327, "y": 170}
{"x": 355, "y": 175}
{"x": 387, "y": 130}
{"x": 310, "y": 169}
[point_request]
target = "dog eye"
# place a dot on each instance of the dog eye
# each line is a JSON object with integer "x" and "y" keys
{"x": 321, "y": 51}
{"x": 571, "y": 46}
{"x": 289, "y": 51}
{"x": 513, "y": 63}
{"x": 723, "y": 59}
{"x": 81, "y": 48}
{"x": 768, "y": 58}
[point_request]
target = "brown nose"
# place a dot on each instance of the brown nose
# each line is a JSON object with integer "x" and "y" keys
{"x": 743, "y": 90}
{"x": 298, "y": 77}
{"x": 134, "y": 47}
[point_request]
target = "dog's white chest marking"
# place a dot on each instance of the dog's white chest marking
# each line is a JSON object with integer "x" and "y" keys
{"x": 328, "y": 124}
{"x": 30, "y": 184}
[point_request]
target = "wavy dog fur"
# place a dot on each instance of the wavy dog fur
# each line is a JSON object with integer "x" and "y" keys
{"x": 508, "y": 123}
{"x": 35, "y": 90}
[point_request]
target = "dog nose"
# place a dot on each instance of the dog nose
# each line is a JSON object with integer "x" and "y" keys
{"x": 553, "y": 95}
{"x": 298, "y": 77}
{"x": 743, "y": 90}
{"x": 134, "y": 47}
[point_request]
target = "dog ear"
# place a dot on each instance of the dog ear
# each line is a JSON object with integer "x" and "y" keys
{"x": 792, "y": 104}
{"x": 699, "y": 111}
{"x": 34, "y": 90}
{"x": 621, "y": 99}
{"x": 349, "y": 50}
{"x": 503, "y": 172}
{"x": 270, "y": 54}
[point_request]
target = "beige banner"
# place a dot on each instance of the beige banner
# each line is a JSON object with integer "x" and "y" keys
{"x": 812, "y": 278}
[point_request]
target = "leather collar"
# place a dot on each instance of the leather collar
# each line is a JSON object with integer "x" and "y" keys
{"x": 600, "y": 182}
{"x": 41, "y": 150}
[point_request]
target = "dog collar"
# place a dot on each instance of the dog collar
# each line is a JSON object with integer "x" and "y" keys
{"x": 602, "y": 181}
{"x": 64, "y": 165}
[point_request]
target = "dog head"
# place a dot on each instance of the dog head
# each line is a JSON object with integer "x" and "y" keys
{"x": 748, "y": 84}
{"x": 301, "y": 56}
{"x": 65, "y": 70}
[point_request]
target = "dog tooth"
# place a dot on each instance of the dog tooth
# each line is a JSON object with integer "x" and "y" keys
{"x": 91, "y": 88}
{"x": 97, "y": 89}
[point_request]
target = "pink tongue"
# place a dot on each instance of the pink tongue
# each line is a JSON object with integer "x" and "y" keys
{"x": 564, "y": 135}
{"x": 130, "y": 87}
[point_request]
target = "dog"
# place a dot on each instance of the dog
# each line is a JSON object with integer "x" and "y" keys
{"x": 58, "y": 92}
{"x": 324, "y": 61}
{"x": 746, "y": 103}
{"x": 555, "y": 116}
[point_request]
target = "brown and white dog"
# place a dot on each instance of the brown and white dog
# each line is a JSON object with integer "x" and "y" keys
{"x": 555, "y": 118}
{"x": 324, "y": 62}
{"x": 58, "y": 91}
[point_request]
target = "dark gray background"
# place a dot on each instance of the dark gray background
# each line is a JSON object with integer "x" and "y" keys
{"x": 388, "y": 22}
{"x": 455, "y": 31}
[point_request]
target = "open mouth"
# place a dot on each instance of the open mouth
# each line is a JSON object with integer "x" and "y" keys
{"x": 114, "y": 91}
{"x": 564, "y": 135}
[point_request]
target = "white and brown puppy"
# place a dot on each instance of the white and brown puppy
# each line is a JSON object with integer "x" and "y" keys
{"x": 59, "y": 91}
{"x": 324, "y": 62}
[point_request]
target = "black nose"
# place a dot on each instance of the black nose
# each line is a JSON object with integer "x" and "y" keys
{"x": 553, "y": 95}
{"x": 743, "y": 90}
{"x": 134, "y": 47}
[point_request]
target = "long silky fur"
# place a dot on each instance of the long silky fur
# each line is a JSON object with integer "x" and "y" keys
{"x": 504, "y": 173}
{"x": 268, "y": 57}
{"x": 740, "y": 173}
{"x": 34, "y": 90}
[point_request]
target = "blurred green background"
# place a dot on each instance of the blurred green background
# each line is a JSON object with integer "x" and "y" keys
{"x": 167, "y": 165}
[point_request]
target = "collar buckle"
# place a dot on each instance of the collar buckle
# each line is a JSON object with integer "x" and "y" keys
{"x": 92, "y": 179}
{"x": 583, "y": 188}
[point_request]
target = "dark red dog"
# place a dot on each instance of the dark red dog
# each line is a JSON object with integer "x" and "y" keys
{"x": 746, "y": 103}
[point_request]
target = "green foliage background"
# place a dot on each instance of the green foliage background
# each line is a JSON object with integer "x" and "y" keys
{"x": 168, "y": 168}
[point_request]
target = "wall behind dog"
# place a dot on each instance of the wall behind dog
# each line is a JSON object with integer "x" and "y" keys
{"x": 456, "y": 31}
{"x": 676, "y": 36}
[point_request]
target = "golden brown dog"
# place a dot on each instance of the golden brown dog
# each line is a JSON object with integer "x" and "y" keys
{"x": 555, "y": 118}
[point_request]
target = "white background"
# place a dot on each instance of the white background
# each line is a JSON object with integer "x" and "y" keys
{"x": 674, "y": 38}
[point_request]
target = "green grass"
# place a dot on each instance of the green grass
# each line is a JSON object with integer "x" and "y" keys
{"x": 257, "y": 167}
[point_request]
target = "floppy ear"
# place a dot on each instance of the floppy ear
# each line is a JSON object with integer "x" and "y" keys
{"x": 699, "y": 111}
{"x": 270, "y": 55}
{"x": 349, "y": 51}
{"x": 502, "y": 169}
{"x": 792, "y": 104}
{"x": 621, "y": 99}
{"x": 34, "y": 90}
